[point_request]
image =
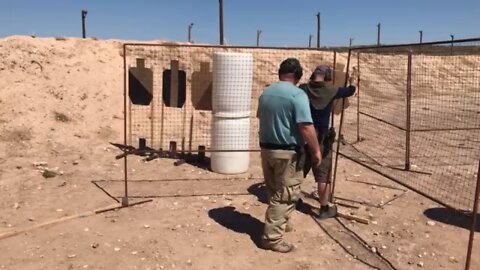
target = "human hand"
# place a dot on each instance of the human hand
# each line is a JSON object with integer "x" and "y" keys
{"x": 316, "y": 159}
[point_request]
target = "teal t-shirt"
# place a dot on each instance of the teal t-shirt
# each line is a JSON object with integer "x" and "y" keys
{"x": 282, "y": 106}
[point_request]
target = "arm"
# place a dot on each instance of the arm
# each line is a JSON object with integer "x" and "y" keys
{"x": 305, "y": 126}
{"x": 344, "y": 92}
{"x": 310, "y": 136}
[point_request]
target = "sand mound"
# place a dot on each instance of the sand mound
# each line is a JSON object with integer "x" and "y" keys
{"x": 58, "y": 95}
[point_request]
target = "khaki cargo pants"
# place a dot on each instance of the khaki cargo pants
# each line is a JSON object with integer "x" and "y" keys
{"x": 282, "y": 179}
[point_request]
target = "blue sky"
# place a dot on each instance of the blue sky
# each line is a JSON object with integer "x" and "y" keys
{"x": 284, "y": 23}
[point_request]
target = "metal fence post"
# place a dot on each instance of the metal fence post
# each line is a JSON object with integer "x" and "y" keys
{"x": 333, "y": 81}
{"x": 318, "y": 30}
{"x": 125, "y": 163}
{"x": 332, "y": 122}
{"x": 190, "y": 32}
{"x": 358, "y": 96}
{"x": 409, "y": 112}
{"x": 221, "y": 21}
{"x": 84, "y": 15}
{"x": 259, "y": 32}
{"x": 474, "y": 221}
{"x": 340, "y": 128}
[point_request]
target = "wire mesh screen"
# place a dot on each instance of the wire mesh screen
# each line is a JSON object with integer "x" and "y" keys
{"x": 416, "y": 117}
{"x": 202, "y": 96}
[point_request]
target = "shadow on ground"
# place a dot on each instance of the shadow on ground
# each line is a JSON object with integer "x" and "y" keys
{"x": 259, "y": 190}
{"x": 238, "y": 222}
{"x": 197, "y": 160}
{"x": 452, "y": 217}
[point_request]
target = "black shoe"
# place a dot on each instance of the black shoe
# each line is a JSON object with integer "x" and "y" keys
{"x": 328, "y": 212}
{"x": 299, "y": 204}
{"x": 304, "y": 207}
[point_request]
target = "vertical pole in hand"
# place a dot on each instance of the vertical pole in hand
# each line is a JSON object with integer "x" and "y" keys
{"x": 125, "y": 168}
{"x": 409, "y": 111}
{"x": 340, "y": 128}
{"x": 84, "y": 15}
{"x": 318, "y": 30}
{"x": 474, "y": 221}
{"x": 221, "y": 22}
{"x": 333, "y": 82}
{"x": 332, "y": 124}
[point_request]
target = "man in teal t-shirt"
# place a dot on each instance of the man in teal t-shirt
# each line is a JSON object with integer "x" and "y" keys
{"x": 282, "y": 108}
{"x": 285, "y": 127}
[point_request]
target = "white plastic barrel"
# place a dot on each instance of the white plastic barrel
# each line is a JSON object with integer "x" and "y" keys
{"x": 232, "y": 83}
{"x": 230, "y": 134}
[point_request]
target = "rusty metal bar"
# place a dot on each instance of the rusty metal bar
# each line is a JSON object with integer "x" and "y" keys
{"x": 444, "y": 129}
{"x": 340, "y": 127}
{"x": 332, "y": 121}
{"x": 152, "y": 121}
{"x": 374, "y": 184}
{"x": 180, "y": 180}
{"x": 106, "y": 192}
{"x": 409, "y": 112}
{"x": 125, "y": 163}
{"x": 356, "y": 201}
{"x": 383, "y": 121}
{"x": 293, "y": 48}
{"x": 224, "y": 47}
{"x": 189, "y": 195}
{"x": 443, "y": 42}
{"x": 122, "y": 206}
{"x": 474, "y": 221}
{"x": 393, "y": 199}
{"x": 333, "y": 81}
{"x": 358, "y": 96}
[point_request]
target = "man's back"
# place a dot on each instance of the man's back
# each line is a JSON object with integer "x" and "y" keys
{"x": 281, "y": 107}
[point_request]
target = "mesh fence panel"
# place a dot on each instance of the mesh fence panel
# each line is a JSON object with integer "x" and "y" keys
{"x": 429, "y": 141}
{"x": 190, "y": 124}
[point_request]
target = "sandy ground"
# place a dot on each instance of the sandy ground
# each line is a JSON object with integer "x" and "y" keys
{"x": 60, "y": 110}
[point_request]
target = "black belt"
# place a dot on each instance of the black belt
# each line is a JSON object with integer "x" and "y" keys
{"x": 272, "y": 146}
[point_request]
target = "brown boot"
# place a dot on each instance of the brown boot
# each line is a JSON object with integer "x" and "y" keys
{"x": 281, "y": 247}
{"x": 289, "y": 227}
